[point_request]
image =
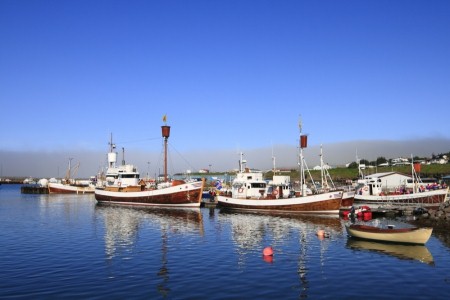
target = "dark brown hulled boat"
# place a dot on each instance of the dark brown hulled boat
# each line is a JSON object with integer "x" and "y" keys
{"x": 132, "y": 191}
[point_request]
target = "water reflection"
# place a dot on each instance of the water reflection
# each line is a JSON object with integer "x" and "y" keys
{"x": 250, "y": 230}
{"x": 122, "y": 224}
{"x": 407, "y": 252}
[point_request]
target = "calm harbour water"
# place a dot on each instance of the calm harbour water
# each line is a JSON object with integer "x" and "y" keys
{"x": 68, "y": 246}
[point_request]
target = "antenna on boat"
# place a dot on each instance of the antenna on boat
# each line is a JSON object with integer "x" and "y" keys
{"x": 165, "y": 134}
{"x": 112, "y": 156}
{"x": 322, "y": 174}
{"x": 358, "y": 161}
{"x": 69, "y": 170}
{"x": 241, "y": 162}
{"x": 273, "y": 162}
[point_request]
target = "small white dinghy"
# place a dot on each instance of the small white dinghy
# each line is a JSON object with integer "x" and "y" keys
{"x": 413, "y": 235}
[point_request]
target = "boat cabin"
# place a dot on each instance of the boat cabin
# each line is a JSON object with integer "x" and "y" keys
{"x": 122, "y": 176}
{"x": 249, "y": 185}
{"x": 281, "y": 187}
{"x": 378, "y": 183}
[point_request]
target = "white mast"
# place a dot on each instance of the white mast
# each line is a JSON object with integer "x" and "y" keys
{"x": 273, "y": 162}
{"x": 413, "y": 174}
{"x": 241, "y": 162}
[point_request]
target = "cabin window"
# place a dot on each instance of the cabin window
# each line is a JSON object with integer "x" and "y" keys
{"x": 259, "y": 185}
{"x": 130, "y": 176}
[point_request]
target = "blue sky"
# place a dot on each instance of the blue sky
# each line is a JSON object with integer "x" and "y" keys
{"x": 228, "y": 74}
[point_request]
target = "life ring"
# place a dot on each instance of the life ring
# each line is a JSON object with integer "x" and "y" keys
{"x": 275, "y": 192}
{"x": 240, "y": 190}
{"x": 366, "y": 188}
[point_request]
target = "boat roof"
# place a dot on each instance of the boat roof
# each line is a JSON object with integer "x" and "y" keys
{"x": 383, "y": 174}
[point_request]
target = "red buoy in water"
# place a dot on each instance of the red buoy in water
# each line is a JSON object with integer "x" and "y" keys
{"x": 268, "y": 251}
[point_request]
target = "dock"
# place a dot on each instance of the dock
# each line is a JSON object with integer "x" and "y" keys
{"x": 33, "y": 189}
{"x": 208, "y": 203}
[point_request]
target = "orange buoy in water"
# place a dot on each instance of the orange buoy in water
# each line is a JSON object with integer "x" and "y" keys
{"x": 268, "y": 251}
{"x": 321, "y": 232}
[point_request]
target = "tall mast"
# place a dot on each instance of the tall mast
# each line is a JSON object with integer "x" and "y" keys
{"x": 322, "y": 173}
{"x": 413, "y": 174}
{"x": 165, "y": 134}
{"x": 303, "y": 144}
{"x": 69, "y": 170}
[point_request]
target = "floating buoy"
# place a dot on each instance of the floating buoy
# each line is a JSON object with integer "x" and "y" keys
{"x": 268, "y": 251}
{"x": 321, "y": 234}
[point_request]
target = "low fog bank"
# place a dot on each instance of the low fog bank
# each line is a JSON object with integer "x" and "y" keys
{"x": 90, "y": 163}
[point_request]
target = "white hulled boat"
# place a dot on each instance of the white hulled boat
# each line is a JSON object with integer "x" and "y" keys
{"x": 371, "y": 193}
{"x": 69, "y": 185}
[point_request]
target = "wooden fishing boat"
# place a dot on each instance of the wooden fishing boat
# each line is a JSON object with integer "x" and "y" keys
{"x": 251, "y": 192}
{"x": 412, "y": 235}
{"x": 124, "y": 187}
{"x": 69, "y": 185}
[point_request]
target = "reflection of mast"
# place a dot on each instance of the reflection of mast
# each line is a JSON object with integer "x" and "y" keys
{"x": 163, "y": 271}
{"x": 165, "y": 134}
{"x": 302, "y": 269}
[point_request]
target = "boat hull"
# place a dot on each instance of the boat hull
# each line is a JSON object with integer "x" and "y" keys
{"x": 183, "y": 195}
{"x": 327, "y": 203}
{"x": 59, "y": 188}
{"x": 403, "y": 235}
{"x": 428, "y": 199}
{"x": 347, "y": 199}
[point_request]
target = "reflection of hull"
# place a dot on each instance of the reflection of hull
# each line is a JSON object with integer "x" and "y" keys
{"x": 122, "y": 224}
{"x": 411, "y": 252}
{"x": 183, "y": 195}
{"x": 251, "y": 229}
{"x": 59, "y": 188}
{"x": 328, "y": 221}
{"x": 326, "y": 203}
{"x": 401, "y": 235}
{"x": 184, "y": 218}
